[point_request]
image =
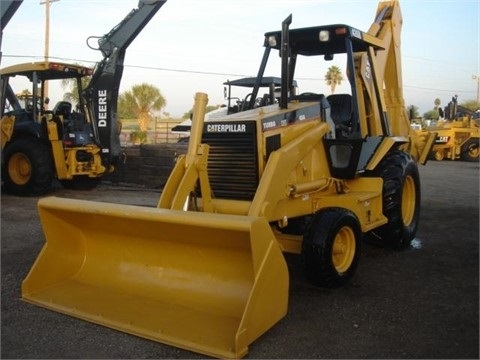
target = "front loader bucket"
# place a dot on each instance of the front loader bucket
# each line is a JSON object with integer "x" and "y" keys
{"x": 209, "y": 283}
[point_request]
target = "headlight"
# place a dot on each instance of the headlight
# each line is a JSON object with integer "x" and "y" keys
{"x": 324, "y": 35}
{"x": 272, "y": 41}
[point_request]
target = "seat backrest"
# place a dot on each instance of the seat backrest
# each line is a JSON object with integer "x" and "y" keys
{"x": 63, "y": 108}
{"x": 341, "y": 108}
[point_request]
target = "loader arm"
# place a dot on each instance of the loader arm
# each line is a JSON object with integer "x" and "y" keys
{"x": 191, "y": 167}
{"x": 101, "y": 95}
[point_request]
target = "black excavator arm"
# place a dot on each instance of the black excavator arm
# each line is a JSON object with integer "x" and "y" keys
{"x": 7, "y": 9}
{"x": 101, "y": 95}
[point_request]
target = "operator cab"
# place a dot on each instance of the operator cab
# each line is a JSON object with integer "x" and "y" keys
{"x": 326, "y": 41}
{"x": 353, "y": 140}
{"x": 32, "y": 104}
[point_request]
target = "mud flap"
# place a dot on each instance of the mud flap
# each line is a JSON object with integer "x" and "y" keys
{"x": 209, "y": 283}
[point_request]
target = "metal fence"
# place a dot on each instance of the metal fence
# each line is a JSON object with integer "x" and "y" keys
{"x": 160, "y": 134}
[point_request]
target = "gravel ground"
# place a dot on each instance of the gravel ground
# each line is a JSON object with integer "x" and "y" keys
{"x": 418, "y": 303}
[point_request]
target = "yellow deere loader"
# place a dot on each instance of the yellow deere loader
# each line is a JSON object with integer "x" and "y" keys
{"x": 311, "y": 175}
{"x": 75, "y": 144}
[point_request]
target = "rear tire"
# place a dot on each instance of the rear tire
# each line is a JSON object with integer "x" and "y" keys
{"x": 331, "y": 247}
{"x": 470, "y": 151}
{"x": 28, "y": 167}
{"x": 401, "y": 201}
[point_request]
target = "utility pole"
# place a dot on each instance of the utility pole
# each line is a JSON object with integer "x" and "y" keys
{"x": 47, "y": 38}
{"x": 477, "y": 79}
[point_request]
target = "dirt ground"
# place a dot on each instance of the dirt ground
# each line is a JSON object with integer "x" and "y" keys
{"x": 418, "y": 303}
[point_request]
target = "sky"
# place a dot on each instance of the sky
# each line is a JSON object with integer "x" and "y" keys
{"x": 194, "y": 46}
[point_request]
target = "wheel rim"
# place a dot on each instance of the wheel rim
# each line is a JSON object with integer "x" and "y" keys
{"x": 20, "y": 168}
{"x": 474, "y": 151}
{"x": 408, "y": 200}
{"x": 343, "y": 249}
{"x": 438, "y": 155}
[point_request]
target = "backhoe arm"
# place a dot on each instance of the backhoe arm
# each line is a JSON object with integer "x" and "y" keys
{"x": 8, "y": 8}
{"x": 101, "y": 95}
{"x": 387, "y": 27}
{"x": 121, "y": 36}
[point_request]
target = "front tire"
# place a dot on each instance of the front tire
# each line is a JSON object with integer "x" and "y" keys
{"x": 331, "y": 247}
{"x": 27, "y": 168}
{"x": 470, "y": 151}
{"x": 401, "y": 201}
{"x": 439, "y": 155}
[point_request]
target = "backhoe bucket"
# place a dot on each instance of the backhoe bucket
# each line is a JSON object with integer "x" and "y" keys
{"x": 209, "y": 283}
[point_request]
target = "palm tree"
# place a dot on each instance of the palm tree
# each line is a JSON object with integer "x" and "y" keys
{"x": 139, "y": 102}
{"x": 73, "y": 94}
{"x": 333, "y": 77}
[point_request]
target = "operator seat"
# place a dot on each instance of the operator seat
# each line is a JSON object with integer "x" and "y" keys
{"x": 64, "y": 109}
{"x": 341, "y": 112}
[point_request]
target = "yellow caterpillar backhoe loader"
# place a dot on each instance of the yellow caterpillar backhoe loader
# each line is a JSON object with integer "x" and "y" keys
{"x": 311, "y": 175}
{"x": 458, "y": 136}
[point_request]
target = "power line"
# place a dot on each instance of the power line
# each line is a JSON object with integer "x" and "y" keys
{"x": 437, "y": 90}
{"x": 441, "y": 62}
{"x": 136, "y": 66}
{"x": 184, "y": 71}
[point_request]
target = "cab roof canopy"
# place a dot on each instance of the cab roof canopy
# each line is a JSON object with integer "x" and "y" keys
{"x": 323, "y": 40}
{"x": 47, "y": 70}
{"x": 250, "y": 81}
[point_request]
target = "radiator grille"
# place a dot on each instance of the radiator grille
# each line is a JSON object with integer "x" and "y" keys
{"x": 232, "y": 163}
